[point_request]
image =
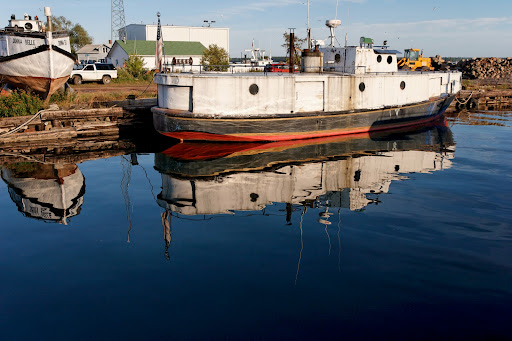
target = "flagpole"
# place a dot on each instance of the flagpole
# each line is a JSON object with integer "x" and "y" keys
{"x": 163, "y": 47}
{"x": 159, "y": 47}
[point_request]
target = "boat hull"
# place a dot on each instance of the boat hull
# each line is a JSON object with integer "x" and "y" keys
{"x": 184, "y": 125}
{"x": 43, "y": 69}
{"x": 40, "y": 85}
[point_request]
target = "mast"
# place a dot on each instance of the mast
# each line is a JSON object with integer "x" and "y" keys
{"x": 308, "y": 33}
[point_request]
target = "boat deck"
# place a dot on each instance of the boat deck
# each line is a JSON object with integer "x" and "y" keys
{"x": 297, "y": 74}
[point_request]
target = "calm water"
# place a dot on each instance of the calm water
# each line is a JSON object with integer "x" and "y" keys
{"x": 368, "y": 237}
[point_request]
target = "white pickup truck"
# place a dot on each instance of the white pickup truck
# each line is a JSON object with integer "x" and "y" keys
{"x": 98, "y": 72}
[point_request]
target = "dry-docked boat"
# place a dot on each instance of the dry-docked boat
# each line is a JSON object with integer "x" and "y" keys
{"x": 35, "y": 58}
{"x": 342, "y": 90}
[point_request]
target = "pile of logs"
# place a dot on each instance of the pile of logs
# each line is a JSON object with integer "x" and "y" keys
{"x": 486, "y": 68}
{"x": 478, "y": 68}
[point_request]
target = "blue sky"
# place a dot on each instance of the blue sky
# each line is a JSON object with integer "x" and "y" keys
{"x": 466, "y": 28}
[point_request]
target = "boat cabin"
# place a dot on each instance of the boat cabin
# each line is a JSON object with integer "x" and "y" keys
{"x": 365, "y": 58}
{"x": 27, "y": 24}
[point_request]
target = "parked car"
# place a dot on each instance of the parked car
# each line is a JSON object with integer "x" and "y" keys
{"x": 99, "y": 72}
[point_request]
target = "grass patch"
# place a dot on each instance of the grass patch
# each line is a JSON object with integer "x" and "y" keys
{"x": 68, "y": 100}
{"x": 23, "y": 103}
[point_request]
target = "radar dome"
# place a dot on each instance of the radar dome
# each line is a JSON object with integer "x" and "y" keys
{"x": 333, "y": 23}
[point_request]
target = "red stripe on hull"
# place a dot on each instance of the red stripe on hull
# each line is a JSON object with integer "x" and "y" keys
{"x": 200, "y": 136}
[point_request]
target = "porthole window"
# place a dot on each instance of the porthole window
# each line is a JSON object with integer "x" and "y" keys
{"x": 379, "y": 58}
{"x": 362, "y": 86}
{"x": 402, "y": 85}
{"x": 337, "y": 58}
{"x": 28, "y": 26}
{"x": 253, "y": 89}
{"x": 390, "y": 59}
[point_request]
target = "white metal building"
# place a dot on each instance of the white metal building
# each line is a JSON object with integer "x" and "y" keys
{"x": 205, "y": 35}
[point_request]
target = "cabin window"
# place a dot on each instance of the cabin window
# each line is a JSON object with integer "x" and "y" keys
{"x": 337, "y": 58}
{"x": 362, "y": 86}
{"x": 390, "y": 59}
{"x": 402, "y": 85}
{"x": 253, "y": 89}
{"x": 379, "y": 58}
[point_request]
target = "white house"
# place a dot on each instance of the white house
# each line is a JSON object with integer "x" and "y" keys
{"x": 93, "y": 53}
{"x": 205, "y": 35}
{"x": 177, "y": 54}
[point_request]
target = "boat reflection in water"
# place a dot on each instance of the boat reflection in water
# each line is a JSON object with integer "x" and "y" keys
{"x": 345, "y": 172}
{"x": 49, "y": 192}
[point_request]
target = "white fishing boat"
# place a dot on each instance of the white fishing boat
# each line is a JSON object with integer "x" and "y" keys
{"x": 256, "y": 63}
{"x": 33, "y": 57}
{"x": 341, "y": 90}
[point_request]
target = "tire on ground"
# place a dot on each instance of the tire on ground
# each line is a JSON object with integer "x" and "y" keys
{"x": 105, "y": 79}
{"x": 77, "y": 80}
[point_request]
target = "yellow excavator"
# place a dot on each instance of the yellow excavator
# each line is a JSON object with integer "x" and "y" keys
{"x": 414, "y": 60}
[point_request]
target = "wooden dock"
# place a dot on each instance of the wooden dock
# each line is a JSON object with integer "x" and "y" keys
{"x": 484, "y": 99}
{"x": 60, "y": 125}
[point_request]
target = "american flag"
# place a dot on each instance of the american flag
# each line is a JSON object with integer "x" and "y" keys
{"x": 159, "y": 46}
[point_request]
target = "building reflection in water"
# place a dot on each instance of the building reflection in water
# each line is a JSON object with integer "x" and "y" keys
{"x": 348, "y": 172}
{"x": 49, "y": 192}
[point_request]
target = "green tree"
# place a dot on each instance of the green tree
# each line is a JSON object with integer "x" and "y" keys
{"x": 215, "y": 56}
{"x": 298, "y": 42}
{"x": 78, "y": 36}
{"x": 134, "y": 66}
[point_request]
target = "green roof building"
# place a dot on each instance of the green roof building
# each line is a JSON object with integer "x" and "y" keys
{"x": 175, "y": 52}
